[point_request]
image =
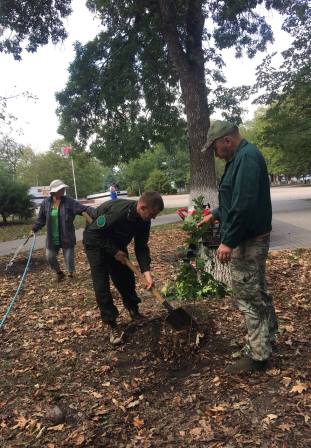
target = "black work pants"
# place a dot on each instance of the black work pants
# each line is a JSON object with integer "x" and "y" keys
{"x": 104, "y": 266}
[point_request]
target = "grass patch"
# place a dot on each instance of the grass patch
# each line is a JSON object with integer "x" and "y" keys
{"x": 168, "y": 211}
{"x": 20, "y": 229}
{"x": 166, "y": 227}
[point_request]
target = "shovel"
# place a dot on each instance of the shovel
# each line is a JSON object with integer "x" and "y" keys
{"x": 178, "y": 318}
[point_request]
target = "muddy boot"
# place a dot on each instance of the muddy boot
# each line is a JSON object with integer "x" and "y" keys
{"x": 135, "y": 314}
{"x": 246, "y": 364}
{"x": 116, "y": 334}
{"x": 60, "y": 276}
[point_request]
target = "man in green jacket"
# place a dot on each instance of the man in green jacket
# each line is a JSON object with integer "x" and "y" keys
{"x": 115, "y": 224}
{"x": 245, "y": 216}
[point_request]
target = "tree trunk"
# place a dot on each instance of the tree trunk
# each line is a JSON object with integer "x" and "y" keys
{"x": 188, "y": 60}
{"x": 202, "y": 165}
{"x": 4, "y": 218}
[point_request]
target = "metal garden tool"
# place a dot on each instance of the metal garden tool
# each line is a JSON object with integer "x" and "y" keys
{"x": 178, "y": 318}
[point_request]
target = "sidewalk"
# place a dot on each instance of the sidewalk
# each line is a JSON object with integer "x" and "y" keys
{"x": 9, "y": 247}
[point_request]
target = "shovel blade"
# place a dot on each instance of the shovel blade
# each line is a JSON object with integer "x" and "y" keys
{"x": 180, "y": 319}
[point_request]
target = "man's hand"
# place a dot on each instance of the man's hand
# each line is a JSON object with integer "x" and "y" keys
{"x": 149, "y": 280}
{"x": 207, "y": 218}
{"x": 121, "y": 256}
{"x": 224, "y": 253}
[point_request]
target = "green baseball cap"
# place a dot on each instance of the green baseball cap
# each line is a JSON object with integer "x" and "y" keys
{"x": 217, "y": 130}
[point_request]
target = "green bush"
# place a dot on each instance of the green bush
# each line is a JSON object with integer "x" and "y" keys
{"x": 158, "y": 181}
{"x": 14, "y": 199}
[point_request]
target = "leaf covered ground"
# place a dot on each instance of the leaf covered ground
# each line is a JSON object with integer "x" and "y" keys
{"x": 62, "y": 385}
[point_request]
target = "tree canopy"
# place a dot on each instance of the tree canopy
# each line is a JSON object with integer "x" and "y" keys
{"x": 294, "y": 72}
{"x": 27, "y": 24}
{"x": 156, "y": 68}
{"x": 154, "y": 63}
{"x": 283, "y": 132}
{"x": 14, "y": 197}
{"x": 11, "y": 153}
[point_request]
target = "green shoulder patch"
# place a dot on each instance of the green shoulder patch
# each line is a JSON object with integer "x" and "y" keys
{"x": 101, "y": 221}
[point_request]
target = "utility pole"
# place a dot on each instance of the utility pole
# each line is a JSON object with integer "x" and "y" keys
{"x": 66, "y": 152}
{"x": 74, "y": 177}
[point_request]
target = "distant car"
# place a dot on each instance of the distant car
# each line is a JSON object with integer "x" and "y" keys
{"x": 305, "y": 179}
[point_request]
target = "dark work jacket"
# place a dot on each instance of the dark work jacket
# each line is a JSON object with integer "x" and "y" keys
{"x": 68, "y": 209}
{"x": 244, "y": 208}
{"x": 116, "y": 223}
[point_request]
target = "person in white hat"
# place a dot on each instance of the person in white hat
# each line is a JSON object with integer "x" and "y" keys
{"x": 58, "y": 213}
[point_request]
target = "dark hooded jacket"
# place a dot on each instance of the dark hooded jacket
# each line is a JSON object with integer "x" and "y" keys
{"x": 68, "y": 209}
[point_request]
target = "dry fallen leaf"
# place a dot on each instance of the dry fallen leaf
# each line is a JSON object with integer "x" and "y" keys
{"x": 286, "y": 380}
{"x": 78, "y": 440}
{"x": 285, "y": 427}
{"x": 56, "y": 428}
{"x": 138, "y": 422}
{"x": 196, "y": 431}
{"x": 21, "y": 422}
{"x": 132, "y": 404}
{"x": 96, "y": 395}
{"x": 299, "y": 388}
{"x": 273, "y": 372}
{"x": 269, "y": 418}
{"x": 219, "y": 408}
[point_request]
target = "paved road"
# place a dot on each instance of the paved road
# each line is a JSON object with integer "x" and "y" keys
{"x": 291, "y": 219}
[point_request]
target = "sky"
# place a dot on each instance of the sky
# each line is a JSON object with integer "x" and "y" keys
{"x": 46, "y": 72}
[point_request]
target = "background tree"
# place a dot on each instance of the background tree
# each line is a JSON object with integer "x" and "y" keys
{"x": 294, "y": 72}
{"x": 14, "y": 197}
{"x": 130, "y": 85}
{"x": 283, "y": 132}
{"x": 41, "y": 169}
{"x": 158, "y": 181}
{"x": 11, "y": 153}
{"x": 285, "y": 125}
{"x": 111, "y": 176}
{"x": 133, "y": 175}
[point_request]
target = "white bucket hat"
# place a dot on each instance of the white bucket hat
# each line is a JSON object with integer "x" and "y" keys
{"x": 57, "y": 185}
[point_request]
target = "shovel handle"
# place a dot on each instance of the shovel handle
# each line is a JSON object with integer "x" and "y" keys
{"x": 156, "y": 293}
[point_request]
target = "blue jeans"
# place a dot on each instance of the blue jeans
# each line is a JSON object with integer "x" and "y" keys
{"x": 69, "y": 257}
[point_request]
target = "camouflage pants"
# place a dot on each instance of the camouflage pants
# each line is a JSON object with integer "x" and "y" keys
{"x": 249, "y": 286}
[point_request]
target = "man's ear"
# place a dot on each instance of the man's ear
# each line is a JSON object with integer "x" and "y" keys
{"x": 141, "y": 205}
